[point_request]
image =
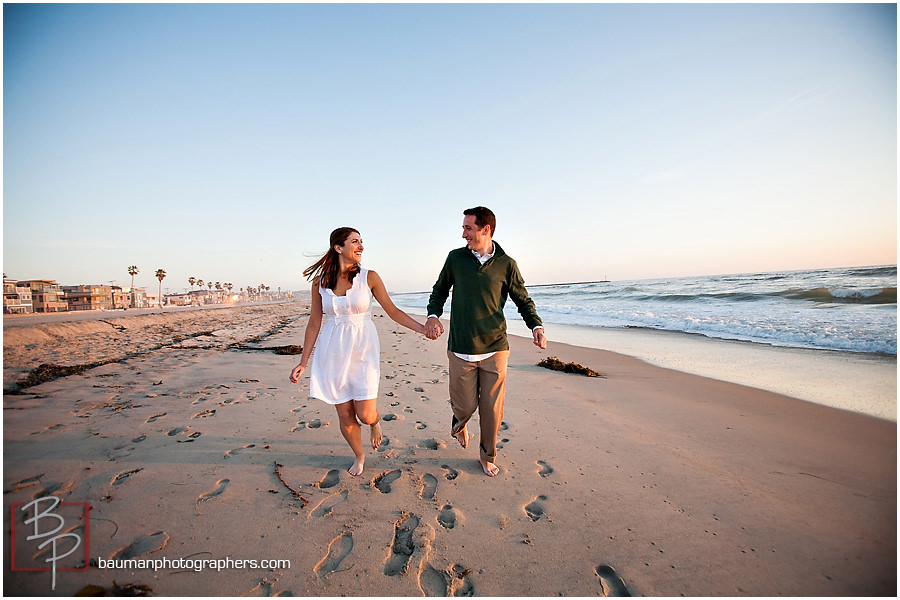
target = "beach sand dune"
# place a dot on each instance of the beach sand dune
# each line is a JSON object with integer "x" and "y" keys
{"x": 645, "y": 482}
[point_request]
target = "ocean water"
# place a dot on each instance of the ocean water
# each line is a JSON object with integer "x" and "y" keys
{"x": 844, "y": 309}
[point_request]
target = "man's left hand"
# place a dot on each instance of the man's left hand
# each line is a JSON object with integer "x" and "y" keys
{"x": 540, "y": 340}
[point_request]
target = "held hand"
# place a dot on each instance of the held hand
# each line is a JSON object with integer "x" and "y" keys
{"x": 540, "y": 340}
{"x": 433, "y": 328}
{"x": 297, "y": 373}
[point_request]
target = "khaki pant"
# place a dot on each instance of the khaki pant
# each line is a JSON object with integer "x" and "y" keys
{"x": 479, "y": 385}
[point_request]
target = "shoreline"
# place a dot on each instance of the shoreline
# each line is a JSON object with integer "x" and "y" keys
{"x": 858, "y": 382}
{"x": 667, "y": 483}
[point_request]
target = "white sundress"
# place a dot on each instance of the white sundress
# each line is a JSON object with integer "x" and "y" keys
{"x": 345, "y": 362}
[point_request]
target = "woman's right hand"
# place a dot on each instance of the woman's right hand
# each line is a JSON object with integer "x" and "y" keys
{"x": 297, "y": 373}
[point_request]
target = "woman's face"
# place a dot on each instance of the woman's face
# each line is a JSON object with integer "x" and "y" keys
{"x": 352, "y": 249}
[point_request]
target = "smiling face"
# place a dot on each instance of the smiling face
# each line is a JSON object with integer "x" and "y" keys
{"x": 352, "y": 250}
{"x": 477, "y": 238}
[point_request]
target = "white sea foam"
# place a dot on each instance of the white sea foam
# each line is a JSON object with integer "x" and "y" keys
{"x": 853, "y": 310}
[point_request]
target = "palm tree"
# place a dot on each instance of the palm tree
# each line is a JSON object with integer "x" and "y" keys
{"x": 132, "y": 270}
{"x": 192, "y": 280}
{"x": 160, "y": 274}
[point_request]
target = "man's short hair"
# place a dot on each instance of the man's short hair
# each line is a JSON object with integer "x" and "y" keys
{"x": 483, "y": 216}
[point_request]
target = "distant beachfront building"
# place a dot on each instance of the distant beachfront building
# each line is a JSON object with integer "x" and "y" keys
{"x": 151, "y": 299}
{"x": 177, "y": 299}
{"x": 141, "y": 299}
{"x": 16, "y": 298}
{"x": 91, "y": 297}
{"x": 46, "y": 295}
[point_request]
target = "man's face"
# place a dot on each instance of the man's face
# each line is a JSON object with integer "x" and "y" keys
{"x": 477, "y": 238}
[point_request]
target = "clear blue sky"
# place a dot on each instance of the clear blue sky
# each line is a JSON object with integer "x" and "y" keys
{"x": 226, "y": 141}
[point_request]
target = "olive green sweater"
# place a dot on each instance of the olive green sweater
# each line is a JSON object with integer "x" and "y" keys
{"x": 477, "y": 324}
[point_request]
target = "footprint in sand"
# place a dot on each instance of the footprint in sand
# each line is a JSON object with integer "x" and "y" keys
{"x": 51, "y": 488}
{"x": 155, "y": 417}
{"x": 452, "y": 582}
{"x": 192, "y": 435}
{"x": 389, "y": 417}
{"x": 420, "y": 425}
{"x": 300, "y": 425}
{"x": 612, "y": 584}
{"x": 139, "y": 438}
{"x": 432, "y": 444}
{"x": 118, "y": 479}
{"x": 331, "y": 479}
{"x": 402, "y": 546}
{"x": 535, "y": 509}
{"x": 451, "y": 473}
{"x": 545, "y": 468}
{"x": 210, "y": 412}
{"x": 216, "y": 491}
{"x": 142, "y": 544}
{"x": 24, "y": 483}
{"x": 504, "y": 426}
{"x": 175, "y": 431}
{"x": 447, "y": 517}
{"x": 326, "y": 506}
{"x": 314, "y": 424}
{"x": 239, "y": 450}
{"x": 383, "y": 482}
{"x": 429, "y": 487}
{"x": 460, "y": 584}
{"x": 338, "y": 550}
{"x": 434, "y": 583}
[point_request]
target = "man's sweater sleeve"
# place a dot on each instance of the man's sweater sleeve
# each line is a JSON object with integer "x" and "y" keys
{"x": 521, "y": 299}
{"x": 440, "y": 291}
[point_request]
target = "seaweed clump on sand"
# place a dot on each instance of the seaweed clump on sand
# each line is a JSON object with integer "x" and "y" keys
{"x": 289, "y": 349}
{"x": 553, "y": 363}
{"x": 49, "y": 372}
{"x": 129, "y": 589}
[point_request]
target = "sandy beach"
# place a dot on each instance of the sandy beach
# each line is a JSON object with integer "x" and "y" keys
{"x": 187, "y": 441}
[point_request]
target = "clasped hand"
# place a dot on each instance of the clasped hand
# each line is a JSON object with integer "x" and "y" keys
{"x": 433, "y": 328}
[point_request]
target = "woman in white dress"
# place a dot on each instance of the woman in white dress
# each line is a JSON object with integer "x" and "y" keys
{"x": 345, "y": 369}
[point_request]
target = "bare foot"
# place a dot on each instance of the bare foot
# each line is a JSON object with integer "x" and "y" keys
{"x": 356, "y": 468}
{"x": 463, "y": 437}
{"x": 489, "y": 468}
{"x": 376, "y": 436}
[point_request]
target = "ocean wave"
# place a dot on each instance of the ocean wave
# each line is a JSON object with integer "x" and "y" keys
{"x": 882, "y": 271}
{"x": 886, "y": 295}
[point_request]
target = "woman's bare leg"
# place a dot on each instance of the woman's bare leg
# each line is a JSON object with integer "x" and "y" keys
{"x": 352, "y": 432}
{"x": 367, "y": 413}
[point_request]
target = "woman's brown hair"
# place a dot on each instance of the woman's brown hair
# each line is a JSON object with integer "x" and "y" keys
{"x": 328, "y": 268}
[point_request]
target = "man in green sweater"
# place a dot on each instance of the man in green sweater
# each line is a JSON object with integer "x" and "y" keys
{"x": 482, "y": 277}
